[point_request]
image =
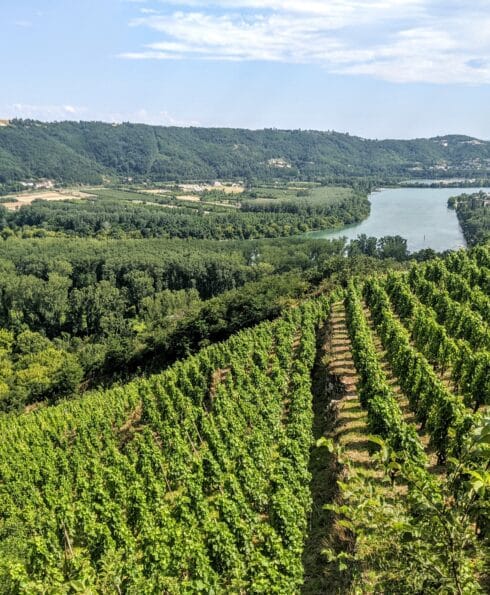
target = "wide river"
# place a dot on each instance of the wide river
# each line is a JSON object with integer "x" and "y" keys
{"x": 418, "y": 214}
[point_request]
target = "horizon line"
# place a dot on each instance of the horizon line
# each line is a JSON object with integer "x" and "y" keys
{"x": 6, "y": 122}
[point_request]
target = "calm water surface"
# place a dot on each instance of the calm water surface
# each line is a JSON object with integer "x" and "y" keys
{"x": 418, "y": 214}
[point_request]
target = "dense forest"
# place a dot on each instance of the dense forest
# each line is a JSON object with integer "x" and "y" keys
{"x": 90, "y": 152}
{"x": 473, "y": 211}
{"x": 78, "y": 312}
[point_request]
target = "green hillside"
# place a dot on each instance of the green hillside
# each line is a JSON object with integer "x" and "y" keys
{"x": 208, "y": 477}
{"x": 86, "y": 152}
{"x": 194, "y": 481}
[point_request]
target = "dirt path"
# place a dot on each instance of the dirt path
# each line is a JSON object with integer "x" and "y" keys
{"x": 408, "y": 415}
{"x": 351, "y": 430}
{"x": 338, "y": 416}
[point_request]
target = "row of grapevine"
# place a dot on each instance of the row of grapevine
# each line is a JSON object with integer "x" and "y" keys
{"x": 435, "y": 406}
{"x": 469, "y": 369}
{"x": 375, "y": 394}
{"x": 458, "y": 287}
{"x": 481, "y": 255}
{"x": 415, "y": 528}
{"x": 193, "y": 480}
{"x": 466, "y": 265}
{"x": 459, "y": 320}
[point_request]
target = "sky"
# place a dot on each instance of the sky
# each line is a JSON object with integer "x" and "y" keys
{"x": 373, "y": 68}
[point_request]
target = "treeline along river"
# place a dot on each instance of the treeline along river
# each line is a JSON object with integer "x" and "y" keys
{"x": 420, "y": 215}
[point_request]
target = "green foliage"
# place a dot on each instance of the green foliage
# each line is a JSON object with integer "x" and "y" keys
{"x": 424, "y": 542}
{"x": 473, "y": 211}
{"x": 33, "y": 369}
{"x": 386, "y": 247}
{"x": 194, "y": 480}
{"x": 469, "y": 369}
{"x": 86, "y": 151}
{"x": 197, "y": 479}
{"x": 429, "y": 398}
{"x": 115, "y": 214}
{"x": 123, "y": 306}
{"x": 375, "y": 395}
{"x": 460, "y": 320}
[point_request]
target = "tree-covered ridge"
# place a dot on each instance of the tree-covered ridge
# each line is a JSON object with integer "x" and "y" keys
{"x": 473, "y": 211}
{"x": 85, "y": 152}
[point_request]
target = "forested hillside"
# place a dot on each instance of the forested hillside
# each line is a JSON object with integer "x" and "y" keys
{"x": 473, "y": 211}
{"x": 342, "y": 447}
{"x": 88, "y": 152}
{"x": 73, "y": 311}
{"x": 78, "y": 312}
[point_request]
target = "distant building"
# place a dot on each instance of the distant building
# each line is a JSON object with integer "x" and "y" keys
{"x": 280, "y": 163}
{"x": 44, "y": 185}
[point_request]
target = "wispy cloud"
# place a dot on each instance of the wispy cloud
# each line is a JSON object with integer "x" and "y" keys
{"x": 43, "y": 112}
{"x": 146, "y": 116}
{"x": 432, "y": 41}
{"x": 72, "y": 112}
{"x": 23, "y": 24}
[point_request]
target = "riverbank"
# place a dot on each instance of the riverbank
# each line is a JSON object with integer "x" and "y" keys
{"x": 420, "y": 215}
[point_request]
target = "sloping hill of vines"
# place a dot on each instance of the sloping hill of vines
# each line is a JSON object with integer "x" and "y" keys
{"x": 193, "y": 481}
{"x": 413, "y": 364}
{"x": 205, "y": 478}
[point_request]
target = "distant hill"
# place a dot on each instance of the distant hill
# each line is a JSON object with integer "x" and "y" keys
{"x": 87, "y": 152}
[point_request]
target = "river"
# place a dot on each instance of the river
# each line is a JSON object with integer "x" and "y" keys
{"x": 420, "y": 215}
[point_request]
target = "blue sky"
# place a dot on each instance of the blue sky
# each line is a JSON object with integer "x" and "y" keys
{"x": 376, "y": 68}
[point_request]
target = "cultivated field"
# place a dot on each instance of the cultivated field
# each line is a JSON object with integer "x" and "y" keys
{"x": 311, "y": 195}
{"x": 26, "y": 198}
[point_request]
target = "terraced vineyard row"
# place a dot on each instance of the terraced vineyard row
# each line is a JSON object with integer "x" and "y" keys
{"x": 192, "y": 481}
{"x": 417, "y": 385}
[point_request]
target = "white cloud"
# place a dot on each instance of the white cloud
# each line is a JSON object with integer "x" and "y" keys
{"x": 395, "y": 40}
{"x": 159, "y": 118}
{"x": 67, "y": 112}
{"x": 24, "y": 24}
{"x": 43, "y": 112}
{"x": 338, "y": 11}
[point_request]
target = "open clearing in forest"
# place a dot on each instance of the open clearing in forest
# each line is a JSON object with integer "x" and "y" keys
{"x": 26, "y": 198}
{"x": 307, "y": 194}
{"x": 154, "y": 204}
{"x": 188, "y": 197}
{"x": 225, "y": 188}
{"x": 194, "y": 199}
{"x": 155, "y": 191}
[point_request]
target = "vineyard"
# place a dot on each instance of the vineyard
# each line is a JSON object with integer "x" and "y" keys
{"x": 193, "y": 481}
{"x": 411, "y": 353}
{"x": 210, "y": 478}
